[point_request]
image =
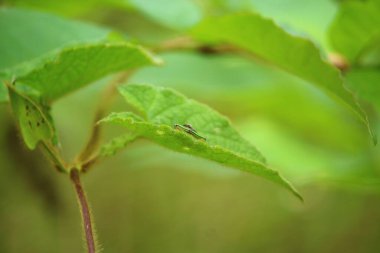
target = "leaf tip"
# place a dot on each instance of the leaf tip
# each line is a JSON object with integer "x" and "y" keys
{"x": 299, "y": 196}
{"x": 284, "y": 182}
{"x": 374, "y": 139}
{"x": 295, "y": 192}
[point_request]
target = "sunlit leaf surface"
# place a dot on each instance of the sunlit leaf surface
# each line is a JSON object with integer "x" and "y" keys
{"x": 162, "y": 108}
{"x": 296, "y": 55}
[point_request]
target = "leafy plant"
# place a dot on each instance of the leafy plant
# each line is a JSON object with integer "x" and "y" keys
{"x": 69, "y": 55}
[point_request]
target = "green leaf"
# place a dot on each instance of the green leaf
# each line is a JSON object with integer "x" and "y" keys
{"x": 117, "y": 144}
{"x": 78, "y": 66}
{"x": 27, "y": 34}
{"x": 33, "y": 120}
{"x": 3, "y": 93}
{"x": 72, "y": 8}
{"x": 162, "y": 108}
{"x": 301, "y": 16}
{"x": 296, "y": 55}
{"x": 356, "y": 28}
{"x": 364, "y": 82}
{"x": 306, "y": 161}
{"x": 259, "y": 90}
{"x": 178, "y": 14}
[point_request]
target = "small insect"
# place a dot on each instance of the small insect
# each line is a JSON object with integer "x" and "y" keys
{"x": 190, "y": 130}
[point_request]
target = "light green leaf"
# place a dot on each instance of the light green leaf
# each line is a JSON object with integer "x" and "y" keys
{"x": 117, "y": 144}
{"x": 162, "y": 108}
{"x": 78, "y": 66}
{"x": 356, "y": 28}
{"x": 258, "y": 90}
{"x": 296, "y": 55}
{"x": 33, "y": 121}
{"x": 301, "y": 16}
{"x": 178, "y": 14}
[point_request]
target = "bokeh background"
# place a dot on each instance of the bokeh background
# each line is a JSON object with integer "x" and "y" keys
{"x": 149, "y": 199}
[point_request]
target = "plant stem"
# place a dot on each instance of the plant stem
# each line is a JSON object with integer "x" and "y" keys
{"x": 187, "y": 44}
{"x": 94, "y": 140}
{"x": 54, "y": 157}
{"x": 85, "y": 211}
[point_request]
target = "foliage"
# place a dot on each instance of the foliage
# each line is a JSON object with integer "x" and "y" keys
{"x": 71, "y": 68}
{"x": 300, "y": 88}
{"x": 163, "y": 108}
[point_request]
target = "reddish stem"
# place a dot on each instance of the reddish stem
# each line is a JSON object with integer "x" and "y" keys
{"x": 85, "y": 210}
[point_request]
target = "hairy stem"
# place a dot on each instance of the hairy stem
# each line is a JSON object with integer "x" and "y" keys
{"x": 85, "y": 211}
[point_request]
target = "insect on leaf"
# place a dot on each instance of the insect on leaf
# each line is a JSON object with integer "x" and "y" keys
{"x": 169, "y": 119}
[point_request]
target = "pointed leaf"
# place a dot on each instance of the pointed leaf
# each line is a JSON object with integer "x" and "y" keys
{"x": 214, "y": 138}
{"x": 296, "y": 55}
{"x": 78, "y": 66}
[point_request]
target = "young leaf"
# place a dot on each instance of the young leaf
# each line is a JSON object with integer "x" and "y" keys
{"x": 117, "y": 144}
{"x": 356, "y": 28}
{"x": 296, "y": 55}
{"x": 78, "y": 66}
{"x": 162, "y": 108}
{"x": 34, "y": 123}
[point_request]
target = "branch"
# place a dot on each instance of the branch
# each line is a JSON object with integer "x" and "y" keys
{"x": 187, "y": 44}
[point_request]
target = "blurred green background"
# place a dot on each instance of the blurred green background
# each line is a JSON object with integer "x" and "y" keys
{"x": 149, "y": 199}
